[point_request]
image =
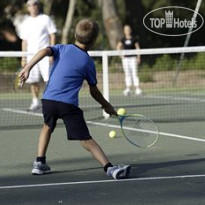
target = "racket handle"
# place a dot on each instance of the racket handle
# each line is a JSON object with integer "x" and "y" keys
{"x": 21, "y": 83}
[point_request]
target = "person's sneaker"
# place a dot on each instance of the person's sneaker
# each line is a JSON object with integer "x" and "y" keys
{"x": 34, "y": 107}
{"x": 119, "y": 172}
{"x": 39, "y": 168}
{"x": 127, "y": 169}
{"x": 126, "y": 92}
{"x": 138, "y": 91}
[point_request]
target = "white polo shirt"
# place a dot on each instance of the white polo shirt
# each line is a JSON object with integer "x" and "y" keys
{"x": 36, "y": 31}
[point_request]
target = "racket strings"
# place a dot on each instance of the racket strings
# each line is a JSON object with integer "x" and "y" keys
{"x": 140, "y": 131}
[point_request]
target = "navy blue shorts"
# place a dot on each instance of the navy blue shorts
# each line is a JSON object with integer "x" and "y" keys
{"x": 71, "y": 115}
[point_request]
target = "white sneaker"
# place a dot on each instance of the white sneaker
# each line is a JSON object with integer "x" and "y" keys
{"x": 34, "y": 107}
{"x": 119, "y": 172}
{"x": 138, "y": 91}
{"x": 126, "y": 92}
{"x": 127, "y": 169}
{"x": 39, "y": 168}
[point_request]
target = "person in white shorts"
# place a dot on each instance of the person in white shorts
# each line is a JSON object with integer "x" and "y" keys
{"x": 38, "y": 32}
{"x": 130, "y": 63}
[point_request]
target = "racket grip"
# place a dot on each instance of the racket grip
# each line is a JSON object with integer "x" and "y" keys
{"x": 20, "y": 84}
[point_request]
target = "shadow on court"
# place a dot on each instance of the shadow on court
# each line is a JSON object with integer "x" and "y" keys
{"x": 149, "y": 183}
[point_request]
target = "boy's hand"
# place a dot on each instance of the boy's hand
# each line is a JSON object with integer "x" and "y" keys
{"x": 109, "y": 109}
{"x": 23, "y": 76}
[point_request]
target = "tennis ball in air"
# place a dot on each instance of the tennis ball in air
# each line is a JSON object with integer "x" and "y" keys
{"x": 121, "y": 111}
{"x": 112, "y": 134}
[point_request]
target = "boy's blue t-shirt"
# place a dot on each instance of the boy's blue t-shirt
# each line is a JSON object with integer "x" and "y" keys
{"x": 71, "y": 67}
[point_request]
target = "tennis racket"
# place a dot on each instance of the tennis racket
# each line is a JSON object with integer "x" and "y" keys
{"x": 16, "y": 80}
{"x": 139, "y": 130}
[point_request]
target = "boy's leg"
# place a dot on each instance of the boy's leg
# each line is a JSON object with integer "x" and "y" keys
{"x": 96, "y": 151}
{"x": 43, "y": 141}
{"x": 116, "y": 172}
{"x": 39, "y": 166}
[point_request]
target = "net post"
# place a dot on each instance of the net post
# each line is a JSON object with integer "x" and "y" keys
{"x": 105, "y": 80}
{"x": 198, "y": 5}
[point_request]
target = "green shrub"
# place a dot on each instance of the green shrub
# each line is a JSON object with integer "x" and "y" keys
{"x": 9, "y": 64}
{"x": 194, "y": 63}
{"x": 164, "y": 62}
{"x": 146, "y": 76}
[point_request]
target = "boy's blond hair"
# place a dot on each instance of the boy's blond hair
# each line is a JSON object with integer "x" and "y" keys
{"x": 86, "y": 31}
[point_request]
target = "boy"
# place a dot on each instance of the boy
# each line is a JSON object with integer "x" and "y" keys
{"x": 72, "y": 65}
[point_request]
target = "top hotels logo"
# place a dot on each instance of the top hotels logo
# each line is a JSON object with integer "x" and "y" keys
{"x": 168, "y": 21}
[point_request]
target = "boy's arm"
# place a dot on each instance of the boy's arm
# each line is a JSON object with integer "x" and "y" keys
{"x": 24, "y": 74}
{"x": 97, "y": 95}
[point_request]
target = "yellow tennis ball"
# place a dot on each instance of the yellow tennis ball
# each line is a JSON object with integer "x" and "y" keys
{"x": 121, "y": 111}
{"x": 112, "y": 134}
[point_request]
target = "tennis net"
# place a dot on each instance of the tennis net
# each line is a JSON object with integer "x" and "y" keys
{"x": 171, "y": 91}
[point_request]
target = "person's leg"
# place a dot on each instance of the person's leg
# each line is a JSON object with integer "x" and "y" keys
{"x": 43, "y": 141}
{"x": 33, "y": 80}
{"x": 39, "y": 166}
{"x": 135, "y": 78}
{"x": 35, "y": 89}
{"x": 117, "y": 172}
{"x": 96, "y": 151}
{"x": 128, "y": 79}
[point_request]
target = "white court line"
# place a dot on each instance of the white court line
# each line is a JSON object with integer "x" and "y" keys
{"x": 177, "y": 98}
{"x": 198, "y": 100}
{"x": 160, "y": 133}
{"x": 102, "y": 181}
{"x": 22, "y": 112}
{"x": 108, "y": 125}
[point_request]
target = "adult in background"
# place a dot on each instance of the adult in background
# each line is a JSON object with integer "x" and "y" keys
{"x": 130, "y": 63}
{"x": 38, "y": 32}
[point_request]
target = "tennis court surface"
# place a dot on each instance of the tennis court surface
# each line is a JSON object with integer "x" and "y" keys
{"x": 170, "y": 172}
